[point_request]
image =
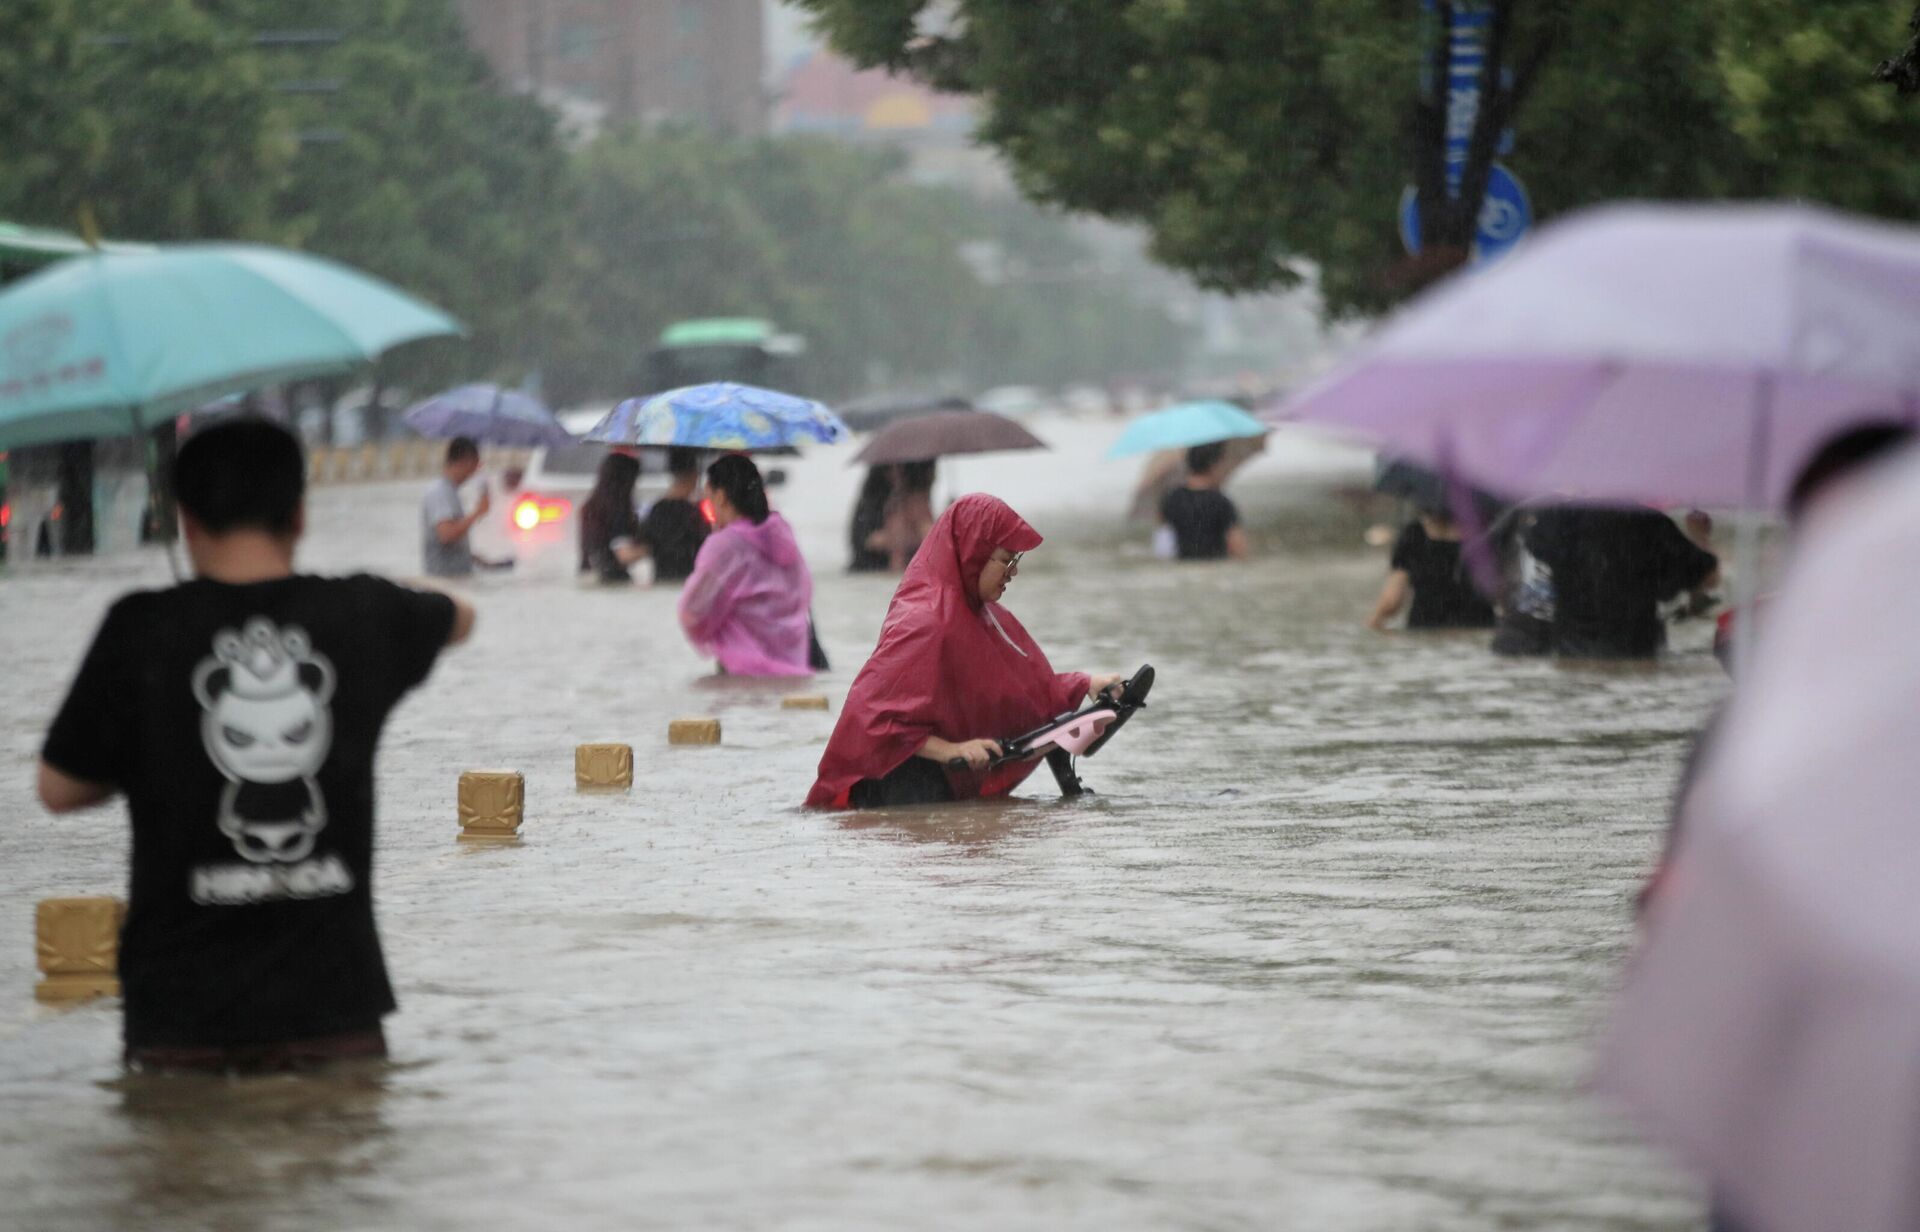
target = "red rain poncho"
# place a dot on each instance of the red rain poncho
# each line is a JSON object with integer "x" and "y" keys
{"x": 948, "y": 665}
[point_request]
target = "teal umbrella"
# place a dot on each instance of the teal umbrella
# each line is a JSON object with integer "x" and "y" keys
{"x": 111, "y": 342}
{"x": 1186, "y": 425}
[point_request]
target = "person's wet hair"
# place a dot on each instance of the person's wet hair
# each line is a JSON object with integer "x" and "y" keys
{"x": 1203, "y": 458}
{"x": 461, "y": 448}
{"x": 613, "y": 485}
{"x": 241, "y": 474}
{"x": 739, "y": 478}
{"x": 917, "y": 476}
{"x": 683, "y": 460}
{"x": 878, "y": 485}
{"x": 1841, "y": 455}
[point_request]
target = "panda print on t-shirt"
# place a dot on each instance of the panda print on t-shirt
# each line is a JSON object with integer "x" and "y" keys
{"x": 266, "y": 725}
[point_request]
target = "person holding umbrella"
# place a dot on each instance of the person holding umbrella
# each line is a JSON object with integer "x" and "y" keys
{"x": 909, "y": 449}
{"x": 609, "y": 526}
{"x": 746, "y": 602}
{"x": 1198, "y": 518}
{"x": 1203, "y": 520}
{"x": 674, "y": 527}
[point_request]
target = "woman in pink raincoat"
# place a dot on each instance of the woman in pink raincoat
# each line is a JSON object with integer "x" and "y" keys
{"x": 746, "y": 602}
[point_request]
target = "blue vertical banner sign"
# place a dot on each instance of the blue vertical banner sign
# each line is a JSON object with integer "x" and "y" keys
{"x": 1466, "y": 71}
{"x": 1506, "y": 214}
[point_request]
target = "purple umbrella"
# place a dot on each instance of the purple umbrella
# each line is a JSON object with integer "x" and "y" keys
{"x": 490, "y": 415}
{"x": 1690, "y": 355}
{"x": 1769, "y": 1030}
{"x": 925, "y": 437}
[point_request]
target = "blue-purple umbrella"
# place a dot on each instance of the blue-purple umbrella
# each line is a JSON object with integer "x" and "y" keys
{"x": 488, "y": 414}
{"x": 720, "y": 415}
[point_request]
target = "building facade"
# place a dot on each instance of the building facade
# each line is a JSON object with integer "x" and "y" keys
{"x": 657, "y": 61}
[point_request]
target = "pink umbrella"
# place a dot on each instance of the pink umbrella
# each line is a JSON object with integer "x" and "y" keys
{"x": 1690, "y": 355}
{"x": 1769, "y": 1030}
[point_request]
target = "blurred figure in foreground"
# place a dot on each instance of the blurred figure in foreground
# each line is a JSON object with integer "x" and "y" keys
{"x": 445, "y": 525}
{"x": 953, "y": 673}
{"x": 1830, "y": 471}
{"x": 1766, "y": 1029}
{"x": 1426, "y": 570}
{"x": 1612, "y": 568}
{"x": 239, "y": 714}
{"x": 609, "y": 528}
{"x": 746, "y": 601}
{"x": 674, "y": 527}
{"x": 1204, "y": 522}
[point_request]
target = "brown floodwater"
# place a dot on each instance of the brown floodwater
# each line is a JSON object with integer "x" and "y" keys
{"x": 1325, "y": 952}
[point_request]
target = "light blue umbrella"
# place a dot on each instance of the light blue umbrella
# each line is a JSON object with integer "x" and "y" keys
{"x": 720, "y": 415}
{"x": 1184, "y": 426}
{"x": 490, "y": 415}
{"x": 108, "y": 343}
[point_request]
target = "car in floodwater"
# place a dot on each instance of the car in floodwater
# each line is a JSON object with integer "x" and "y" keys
{"x": 540, "y": 507}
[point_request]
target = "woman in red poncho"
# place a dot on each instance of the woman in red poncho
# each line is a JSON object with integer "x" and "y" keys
{"x": 953, "y": 671}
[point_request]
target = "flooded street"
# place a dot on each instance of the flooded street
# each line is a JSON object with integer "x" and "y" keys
{"x": 1325, "y": 952}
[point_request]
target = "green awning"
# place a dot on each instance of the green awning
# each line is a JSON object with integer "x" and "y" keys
{"x": 717, "y": 331}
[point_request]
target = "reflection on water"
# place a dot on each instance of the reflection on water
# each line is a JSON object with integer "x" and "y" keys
{"x": 242, "y": 1152}
{"x": 1323, "y": 952}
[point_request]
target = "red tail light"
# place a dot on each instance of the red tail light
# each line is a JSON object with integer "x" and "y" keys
{"x": 530, "y": 512}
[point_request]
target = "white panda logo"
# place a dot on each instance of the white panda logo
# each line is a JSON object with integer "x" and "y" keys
{"x": 263, "y": 694}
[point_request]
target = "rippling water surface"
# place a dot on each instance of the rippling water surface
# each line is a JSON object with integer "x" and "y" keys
{"x": 1324, "y": 953}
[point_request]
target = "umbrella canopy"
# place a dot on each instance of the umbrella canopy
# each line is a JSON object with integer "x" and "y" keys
{"x": 1664, "y": 354}
{"x": 99, "y": 345}
{"x": 488, "y": 414}
{"x": 1186, "y": 425}
{"x": 719, "y": 415}
{"x": 876, "y": 411}
{"x": 925, "y": 437}
{"x": 1769, "y": 1026}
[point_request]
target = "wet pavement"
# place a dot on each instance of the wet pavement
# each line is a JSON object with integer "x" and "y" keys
{"x": 1326, "y": 951}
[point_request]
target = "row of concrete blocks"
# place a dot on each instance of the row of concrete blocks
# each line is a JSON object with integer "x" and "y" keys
{"x": 492, "y": 802}
{"x": 77, "y": 940}
{"x": 407, "y": 459}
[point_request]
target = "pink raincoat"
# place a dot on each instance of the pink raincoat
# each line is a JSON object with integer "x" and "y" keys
{"x": 747, "y": 599}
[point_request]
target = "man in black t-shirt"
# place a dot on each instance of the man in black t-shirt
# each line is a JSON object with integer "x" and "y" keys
{"x": 1205, "y": 524}
{"x": 1612, "y": 568}
{"x": 239, "y": 714}
{"x": 675, "y": 527}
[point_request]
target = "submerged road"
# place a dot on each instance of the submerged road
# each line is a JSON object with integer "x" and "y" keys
{"x": 1326, "y": 952}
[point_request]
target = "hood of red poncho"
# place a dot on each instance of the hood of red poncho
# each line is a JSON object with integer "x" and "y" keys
{"x": 948, "y": 664}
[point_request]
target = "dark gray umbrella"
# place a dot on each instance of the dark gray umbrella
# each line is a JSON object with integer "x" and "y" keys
{"x": 925, "y": 437}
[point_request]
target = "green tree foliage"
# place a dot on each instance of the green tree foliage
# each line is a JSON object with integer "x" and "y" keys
{"x": 1248, "y": 134}
{"x": 831, "y": 243}
{"x": 387, "y": 144}
{"x": 150, "y": 112}
{"x": 416, "y": 166}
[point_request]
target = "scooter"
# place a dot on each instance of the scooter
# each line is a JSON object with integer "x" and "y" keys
{"x": 1080, "y": 733}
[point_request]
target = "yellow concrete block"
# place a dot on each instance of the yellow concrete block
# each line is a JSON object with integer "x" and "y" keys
{"x": 805, "y": 701}
{"x": 491, "y": 804}
{"x": 693, "y": 731}
{"x": 78, "y": 944}
{"x": 603, "y": 765}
